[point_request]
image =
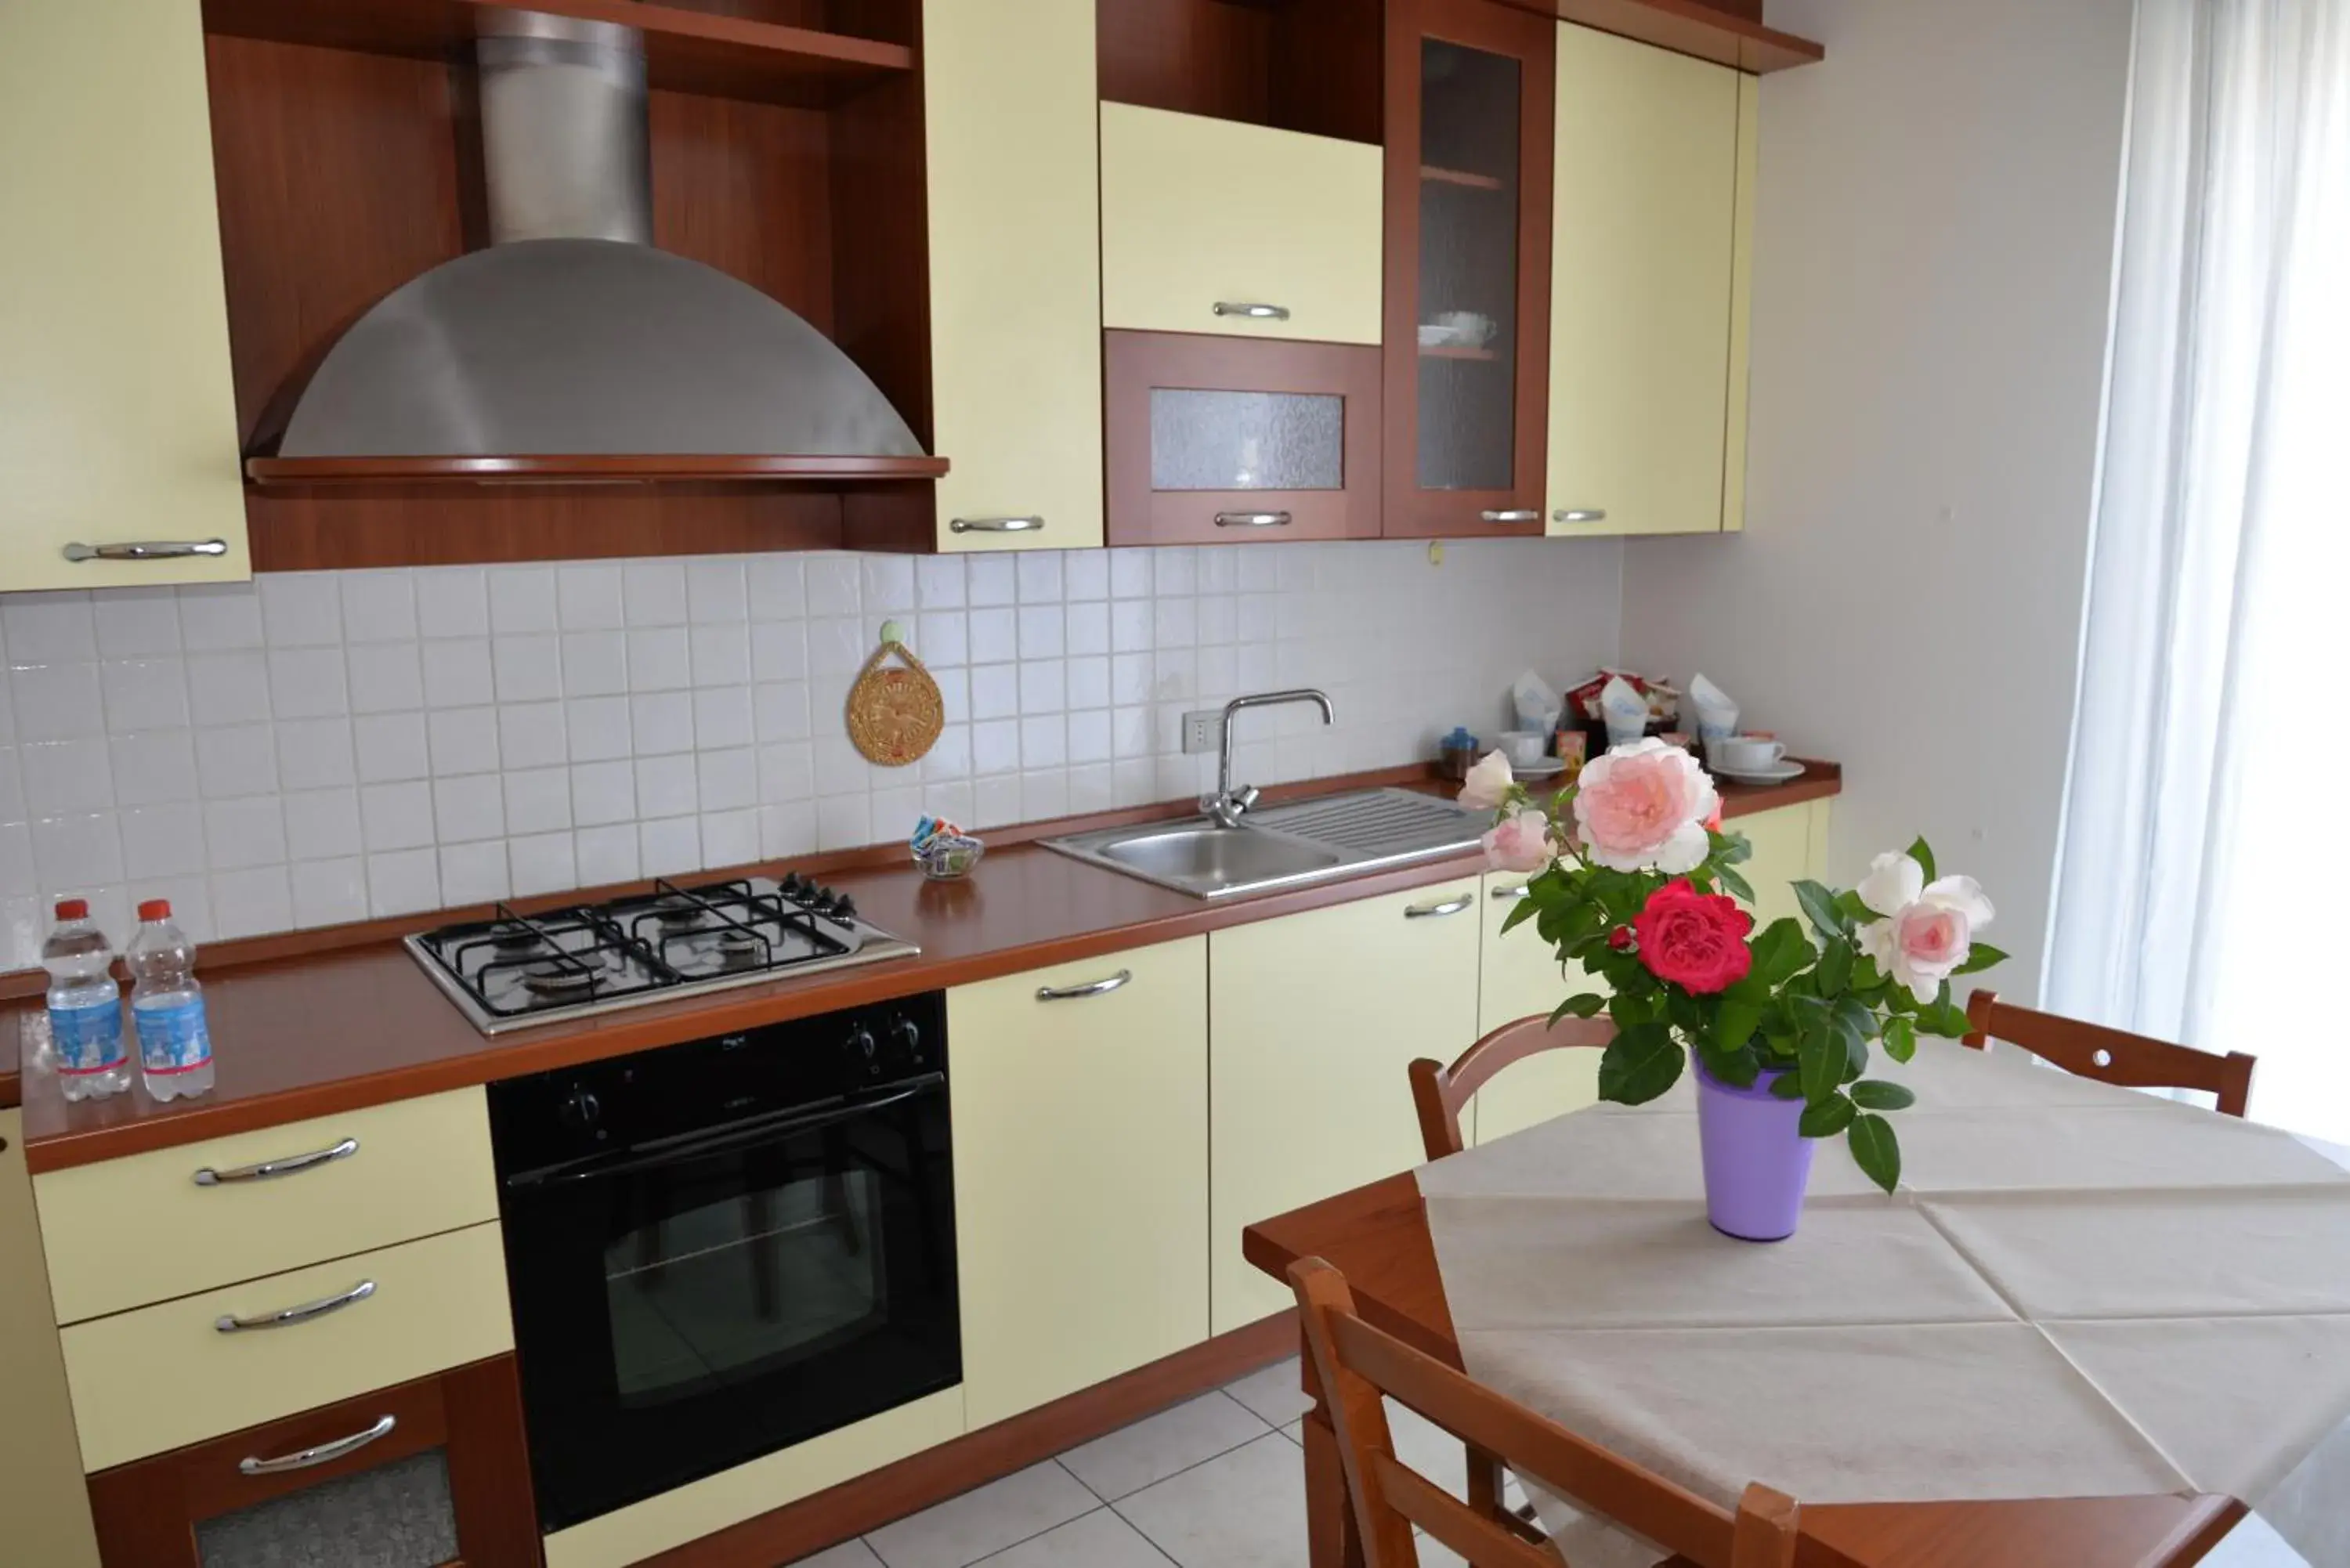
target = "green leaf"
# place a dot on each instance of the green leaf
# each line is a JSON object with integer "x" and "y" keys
{"x": 1876, "y": 1150}
{"x": 1633, "y": 1006}
{"x": 1734, "y": 885}
{"x": 1640, "y": 1064}
{"x": 1735, "y": 1022}
{"x": 1923, "y": 856}
{"x": 1730, "y": 849}
{"x": 1526, "y": 910}
{"x": 1684, "y": 1012}
{"x": 1848, "y": 904}
{"x": 1738, "y": 1068}
{"x": 1835, "y": 968}
{"x": 1819, "y": 1058}
{"x": 1820, "y": 905}
{"x": 1900, "y": 1039}
{"x": 1788, "y": 1086}
{"x": 1876, "y": 1094}
{"x": 1981, "y": 957}
{"x": 1584, "y": 1004}
{"x": 1779, "y": 952}
{"x": 1827, "y": 1118}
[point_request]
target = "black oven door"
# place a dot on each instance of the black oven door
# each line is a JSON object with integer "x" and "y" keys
{"x": 682, "y": 1308}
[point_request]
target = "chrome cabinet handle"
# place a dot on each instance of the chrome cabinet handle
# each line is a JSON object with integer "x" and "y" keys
{"x": 294, "y": 1314}
{"x": 1453, "y": 905}
{"x": 1510, "y": 895}
{"x": 1253, "y": 312}
{"x": 1073, "y": 992}
{"x": 1515, "y": 514}
{"x": 1251, "y": 519}
{"x": 269, "y": 1169}
{"x": 1581, "y": 515}
{"x": 146, "y": 550}
{"x": 325, "y": 1453}
{"x": 995, "y": 525}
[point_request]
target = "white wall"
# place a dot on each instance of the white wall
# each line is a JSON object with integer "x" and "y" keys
{"x": 1935, "y": 229}
{"x": 318, "y": 747}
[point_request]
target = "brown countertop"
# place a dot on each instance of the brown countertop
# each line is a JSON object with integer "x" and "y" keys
{"x": 353, "y": 1021}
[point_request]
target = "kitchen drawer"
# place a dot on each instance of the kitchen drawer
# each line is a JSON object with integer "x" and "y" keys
{"x": 1198, "y": 212}
{"x": 1215, "y": 441}
{"x": 124, "y": 1233}
{"x": 167, "y": 1375}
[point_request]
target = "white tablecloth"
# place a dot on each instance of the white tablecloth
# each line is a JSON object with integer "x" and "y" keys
{"x": 2079, "y": 1290}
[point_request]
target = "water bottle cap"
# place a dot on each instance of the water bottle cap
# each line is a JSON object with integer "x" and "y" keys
{"x": 73, "y": 908}
{"x": 155, "y": 909}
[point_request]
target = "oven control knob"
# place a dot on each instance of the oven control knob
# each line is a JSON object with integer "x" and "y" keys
{"x": 580, "y": 1110}
{"x": 906, "y": 1041}
{"x": 862, "y": 1047}
{"x": 843, "y": 907}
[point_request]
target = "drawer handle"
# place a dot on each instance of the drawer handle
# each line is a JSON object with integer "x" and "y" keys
{"x": 146, "y": 550}
{"x": 294, "y": 1314}
{"x": 995, "y": 525}
{"x": 1431, "y": 911}
{"x": 325, "y": 1453}
{"x": 1251, "y": 519}
{"x": 1074, "y": 993}
{"x": 1514, "y": 514}
{"x": 1581, "y": 515}
{"x": 1253, "y": 312}
{"x": 1510, "y": 895}
{"x": 269, "y": 1169}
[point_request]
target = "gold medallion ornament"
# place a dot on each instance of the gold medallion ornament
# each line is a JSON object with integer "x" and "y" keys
{"x": 895, "y": 714}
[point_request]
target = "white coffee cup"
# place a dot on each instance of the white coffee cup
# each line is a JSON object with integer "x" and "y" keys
{"x": 1524, "y": 747}
{"x": 1747, "y": 753}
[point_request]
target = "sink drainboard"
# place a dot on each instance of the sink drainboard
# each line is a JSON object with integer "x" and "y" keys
{"x": 1384, "y": 822}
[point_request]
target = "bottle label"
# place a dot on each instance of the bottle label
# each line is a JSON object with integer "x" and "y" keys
{"x": 88, "y": 1039}
{"x": 173, "y": 1039}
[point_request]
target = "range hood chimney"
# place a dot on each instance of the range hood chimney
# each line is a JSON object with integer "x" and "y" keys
{"x": 570, "y": 333}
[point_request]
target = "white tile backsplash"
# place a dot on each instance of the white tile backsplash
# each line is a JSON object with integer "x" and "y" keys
{"x": 320, "y": 747}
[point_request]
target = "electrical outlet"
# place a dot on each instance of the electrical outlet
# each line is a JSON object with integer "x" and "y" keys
{"x": 1203, "y": 732}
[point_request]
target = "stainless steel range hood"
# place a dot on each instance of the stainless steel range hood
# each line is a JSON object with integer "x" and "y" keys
{"x": 570, "y": 333}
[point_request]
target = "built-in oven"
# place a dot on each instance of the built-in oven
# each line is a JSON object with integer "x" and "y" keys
{"x": 720, "y": 1249}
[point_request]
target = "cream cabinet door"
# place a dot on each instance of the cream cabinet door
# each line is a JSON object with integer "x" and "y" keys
{"x": 1200, "y": 212}
{"x": 1518, "y": 976}
{"x": 118, "y": 418}
{"x": 1313, "y": 1020}
{"x": 1015, "y": 272}
{"x": 1789, "y": 844}
{"x": 1643, "y": 263}
{"x": 44, "y": 1510}
{"x": 1080, "y": 1104}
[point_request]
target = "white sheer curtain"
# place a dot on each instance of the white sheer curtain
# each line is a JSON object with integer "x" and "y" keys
{"x": 2202, "y": 870}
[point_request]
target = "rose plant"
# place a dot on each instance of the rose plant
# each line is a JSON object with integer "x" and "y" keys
{"x": 1636, "y": 886}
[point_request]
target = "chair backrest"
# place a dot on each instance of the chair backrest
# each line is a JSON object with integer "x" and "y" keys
{"x": 1439, "y": 1092}
{"x": 1358, "y": 1364}
{"x": 2109, "y": 1055}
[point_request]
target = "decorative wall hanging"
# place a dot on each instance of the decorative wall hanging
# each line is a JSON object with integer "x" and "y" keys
{"x": 894, "y": 714}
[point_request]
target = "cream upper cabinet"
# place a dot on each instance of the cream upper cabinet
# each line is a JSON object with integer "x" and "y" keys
{"x": 1080, "y": 1104}
{"x": 1015, "y": 272}
{"x": 1646, "y": 288}
{"x": 1313, "y": 1020}
{"x": 1518, "y": 976}
{"x": 1213, "y": 225}
{"x": 118, "y": 417}
{"x": 46, "y": 1513}
{"x": 1789, "y": 844}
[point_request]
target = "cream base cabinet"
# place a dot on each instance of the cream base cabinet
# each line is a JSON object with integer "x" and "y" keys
{"x": 118, "y": 418}
{"x": 1647, "y": 283}
{"x": 1080, "y": 1102}
{"x": 44, "y": 1511}
{"x": 1789, "y": 844}
{"x": 1518, "y": 976}
{"x": 1015, "y": 272}
{"x": 1313, "y": 1020}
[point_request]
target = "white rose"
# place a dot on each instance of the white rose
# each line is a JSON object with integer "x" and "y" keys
{"x": 1489, "y": 783}
{"x": 1892, "y": 885}
{"x": 1922, "y": 942}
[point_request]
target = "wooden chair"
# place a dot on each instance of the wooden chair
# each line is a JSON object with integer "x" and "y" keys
{"x": 1358, "y": 1364}
{"x": 1440, "y": 1092}
{"x": 2110, "y": 1056}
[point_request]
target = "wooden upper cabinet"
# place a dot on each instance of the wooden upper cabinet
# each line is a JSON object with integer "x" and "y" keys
{"x": 1015, "y": 272}
{"x": 1469, "y": 149}
{"x": 1654, "y": 175}
{"x": 1216, "y": 226}
{"x": 118, "y": 419}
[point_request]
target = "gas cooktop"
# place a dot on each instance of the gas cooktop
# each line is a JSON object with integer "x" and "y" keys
{"x": 518, "y": 969}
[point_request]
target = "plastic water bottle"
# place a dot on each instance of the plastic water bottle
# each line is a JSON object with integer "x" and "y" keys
{"x": 85, "y": 1006}
{"x": 167, "y": 1007}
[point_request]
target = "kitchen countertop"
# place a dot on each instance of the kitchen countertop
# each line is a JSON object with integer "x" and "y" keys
{"x": 342, "y": 1027}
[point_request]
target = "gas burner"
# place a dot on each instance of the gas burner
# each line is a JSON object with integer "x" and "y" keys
{"x": 681, "y": 917}
{"x": 732, "y": 941}
{"x": 557, "y": 980}
{"x": 513, "y": 941}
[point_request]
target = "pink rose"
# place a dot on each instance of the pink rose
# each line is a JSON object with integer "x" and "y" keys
{"x": 1519, "y": 842}
{"x": 1489, "y": 783}
{"x": 1928, "y": 929}
{"x": 1643, "y": 806}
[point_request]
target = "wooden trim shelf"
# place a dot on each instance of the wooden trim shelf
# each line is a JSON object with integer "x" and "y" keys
{"x": 589, "y": 469}
{"x": 687, "y": 51}
{"x": 1431, "y": 174}
{"x": 1694, "y": 28}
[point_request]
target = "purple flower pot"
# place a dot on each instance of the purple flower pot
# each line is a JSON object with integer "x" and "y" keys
{"x": 1756, "y": 1161}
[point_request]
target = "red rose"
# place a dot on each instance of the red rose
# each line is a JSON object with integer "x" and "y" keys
{"x": 1694, "y": 941}
{"x": 1621, "y": 937}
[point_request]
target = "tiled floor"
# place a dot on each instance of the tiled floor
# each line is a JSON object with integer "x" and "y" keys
{"x": 1215, "y": 1482}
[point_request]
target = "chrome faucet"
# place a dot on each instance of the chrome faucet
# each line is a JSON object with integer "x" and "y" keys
{"x": 1228, "y": 805}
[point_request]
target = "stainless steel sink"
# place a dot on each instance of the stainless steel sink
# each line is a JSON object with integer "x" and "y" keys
{"x": 1284, "y": 845}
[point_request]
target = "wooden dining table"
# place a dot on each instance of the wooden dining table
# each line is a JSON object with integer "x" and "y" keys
{"x": 1378, "y": 1236}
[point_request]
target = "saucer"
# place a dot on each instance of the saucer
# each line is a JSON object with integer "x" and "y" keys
{"x": 1547, "y": 768}
{"x": 1777, "y": 773}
